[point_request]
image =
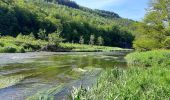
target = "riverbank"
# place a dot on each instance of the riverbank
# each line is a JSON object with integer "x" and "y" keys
{"x": 147, "y": 77}
{"x": 23, "y": 44}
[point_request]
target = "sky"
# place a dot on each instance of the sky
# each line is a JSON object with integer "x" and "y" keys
{"x": 132, "y": 9}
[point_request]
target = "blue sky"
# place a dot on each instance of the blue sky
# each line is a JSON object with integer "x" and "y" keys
{"x": 132, "y": 9}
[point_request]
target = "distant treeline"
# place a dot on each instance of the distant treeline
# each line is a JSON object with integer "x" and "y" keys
{"x": 28, "y": 16}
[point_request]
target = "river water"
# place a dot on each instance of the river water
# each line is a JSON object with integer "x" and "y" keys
{"x": 47, "y": 76}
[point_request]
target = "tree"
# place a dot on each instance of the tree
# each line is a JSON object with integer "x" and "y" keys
{"x": 155, "y": 27}
{"x": 81, "y": 41}
{"x": 91, "y": 41}
{"x": 42, "y": 34}
{"x": 26, "y": 16}
{"x": 100, "y": 41}
{"x": 32, "y": 35}
{"x": 54, "y": 38}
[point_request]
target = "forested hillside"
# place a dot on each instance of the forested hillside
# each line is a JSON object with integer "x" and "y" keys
{"x": 69, "y": 19}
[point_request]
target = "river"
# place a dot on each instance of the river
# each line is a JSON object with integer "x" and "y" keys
{"x": 47, "y": 75}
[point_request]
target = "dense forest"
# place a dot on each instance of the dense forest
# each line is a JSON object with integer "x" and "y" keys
{"x": 67, "y": 18}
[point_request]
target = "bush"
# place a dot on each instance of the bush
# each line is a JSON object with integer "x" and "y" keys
{"x": 54, "y": 38}
{"x": 21, "y": 50}
{"x": 145, "y": 44}
{"x": 22, "y": 43}
{"x": 166, "y": 43}
{"x": 8, "y": 50}
{"x": 1, "y": 44}
{"x": 150, "y": 58}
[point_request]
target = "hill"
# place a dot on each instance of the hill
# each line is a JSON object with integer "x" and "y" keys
{"x": 72, "y": 20}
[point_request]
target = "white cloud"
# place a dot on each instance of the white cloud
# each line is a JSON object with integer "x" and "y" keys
{"x": 99, "y": 3}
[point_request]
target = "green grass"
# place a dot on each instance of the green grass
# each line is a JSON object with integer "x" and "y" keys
{"x": 149, "y": 58}
{"x": 89, "y": 48}
{"x": 20, "y": 44}
{"x": 26, "y": 43}
{"x": 131, "y": 84}
{"x": 137, "y": 82}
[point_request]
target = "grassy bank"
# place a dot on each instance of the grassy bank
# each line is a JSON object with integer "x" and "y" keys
{"x": 20, "y": 44}
{"x": 89, "y": 48}
{"x": 150, "y": 58}
{"x": 135, "y": 83}
{"x": 27, "y": 43}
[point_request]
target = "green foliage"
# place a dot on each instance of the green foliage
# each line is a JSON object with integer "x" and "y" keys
{"x": 91, "y": 40}
{"x": 26, "y": 16}
{"x": 81, "y": 41}
{"x": 147, "y": 77}
{"x": 88, "y": 48}
{"x": 154, "y": 31}
{"x": 166, "y": 43}
{"x": 100, "y": 41}
{"x": 145, "y": 44}
{"x": 21, "y": 43}
{"x": 42, "y": 34}
{"x": 136, "y": 83}
{"x": 8, "y": 49}
{"x": 54, "y": 38}
{"x": 150, "y": 58}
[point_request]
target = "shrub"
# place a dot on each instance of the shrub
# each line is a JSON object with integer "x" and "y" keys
{"x": 166, "y": 43}
{"x": 8, "y": 50}
{"x": 145, "y": 44}
{"x": 54, "y": 38}
{"x": 1, "y": 44}
{"x": 21, "y": 50}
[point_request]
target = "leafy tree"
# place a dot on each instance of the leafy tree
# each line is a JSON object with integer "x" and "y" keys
{"x": 32, "y": 35}
{"x": 81, "y": 41}
{"x": 42, "y": 34}
{"x": 155, "y": 27}
{"x": 91, "y": 41}
{"x": 100, "y": 41}
{"x": 54, "y": 38}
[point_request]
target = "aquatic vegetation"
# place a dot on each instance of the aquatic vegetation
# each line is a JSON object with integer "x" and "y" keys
{"x": 47, "y": 94}
{"x": 7, "y": 81}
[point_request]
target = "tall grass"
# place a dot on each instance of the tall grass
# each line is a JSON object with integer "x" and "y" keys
{"x": 133, "y": 83}
{"x": 88, "y": 48}
{"x": 149, "y": 58}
